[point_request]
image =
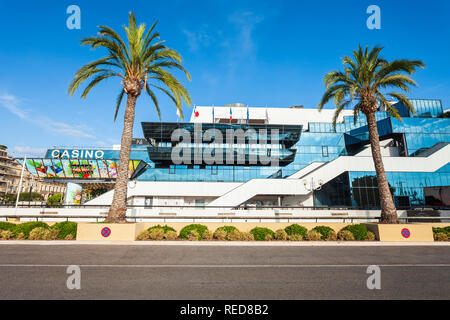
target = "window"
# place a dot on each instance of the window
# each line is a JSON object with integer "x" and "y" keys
{"x": 214, "y": 170}
{"x": 200, "y": 203}
{"x": 172, "y": 170}
{"x": 148, "y": 202}
{"x": 324, "y": 151}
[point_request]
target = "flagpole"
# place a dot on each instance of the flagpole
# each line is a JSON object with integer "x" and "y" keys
{"x": 20, "y": 184}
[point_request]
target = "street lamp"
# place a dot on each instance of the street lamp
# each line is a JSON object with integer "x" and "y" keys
{"x": 312, "y": 186}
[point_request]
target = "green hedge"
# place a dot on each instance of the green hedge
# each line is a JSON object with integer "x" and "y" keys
{"x": 323, "y": 230}
{"x": 26, "y": 228}
{"x": 260, "y": 233}
{"x": 445, "y": 230}
{"x": 7, "y": 226}
{"x": 165, "y": 228}
{"x": 65, "y": 228}
{"x": 359, "y": 231}
{"x": 184, "y": 233}
{"x": 295, "y": 229}
{"x": 228, "y": 230}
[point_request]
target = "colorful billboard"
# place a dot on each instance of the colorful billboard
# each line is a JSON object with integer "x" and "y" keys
{"x": 73, "y": 193}
{"x": 78, "y": 168}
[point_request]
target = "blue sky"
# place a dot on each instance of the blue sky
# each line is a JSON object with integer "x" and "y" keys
{"x": 261, "y": 53}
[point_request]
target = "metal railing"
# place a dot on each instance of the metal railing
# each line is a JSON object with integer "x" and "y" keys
{"x": 98, "y": 218}
{"x": 248, "y": 207}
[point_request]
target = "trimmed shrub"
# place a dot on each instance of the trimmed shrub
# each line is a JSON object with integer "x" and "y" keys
{"x": 206, "y": 235}
{"x": 40, "y": 233}
{"x": 323, "y": 230}
{"x": 194, "y": 235}
{"x": 170, "y": 235}
{"x": 370, "y": 236}
{"x": 280, "y": 234}
{"x": 247, "y": 236}
{"x": 345, "y": 235}
{"x": 295, "y": 237}
{"x": 234, "y": 235}
{"x": 227, "y": 229}
{"x": 65, "y": 228}
{"x": 332, "y": 236}
{"x": 220, "y": 235}
{"x": 445, "y": 230}
{"x": 359, "y": 231}
{"x": 296, "y": 229}
{"x": 165, "y": 228}
{"x": 156, "y": 234}
{"x": 6, "y": 234}
{"x": 7, "y": 226}
{"x": 20, "y": 236}
{"x": 199, "y": 228}
{"x": 69, "y": 237}
{"x": 144, "y": 235}
{"x": 313, "y": 235}
{"x": 440, "y": 236}
{"x": 261, "y": 234}
{"x": 26, "y": 227}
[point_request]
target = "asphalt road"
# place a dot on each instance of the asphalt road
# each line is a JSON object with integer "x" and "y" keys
{"x": 222, "y": 272}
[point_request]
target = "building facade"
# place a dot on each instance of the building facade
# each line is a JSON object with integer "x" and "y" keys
{"x": 237, "y": 156}
{"x": 10, "y": 171}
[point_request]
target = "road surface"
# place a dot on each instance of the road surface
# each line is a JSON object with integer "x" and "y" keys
{"x": 223, "y": 272}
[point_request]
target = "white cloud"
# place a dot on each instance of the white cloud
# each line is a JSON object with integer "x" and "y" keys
{"x": 20, "y": 151}
{"x": 245, "y": 23}
{"x": 11, "y": 103}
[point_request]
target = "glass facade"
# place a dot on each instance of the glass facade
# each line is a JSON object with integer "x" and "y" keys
{"x": 299, "y": 146}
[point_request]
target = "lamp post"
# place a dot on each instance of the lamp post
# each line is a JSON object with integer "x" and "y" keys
{"x": 312, "y": 186}
{"x": 31, "y": 189}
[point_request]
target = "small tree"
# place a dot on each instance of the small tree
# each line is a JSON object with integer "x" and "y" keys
{"x": 54, "y": 199}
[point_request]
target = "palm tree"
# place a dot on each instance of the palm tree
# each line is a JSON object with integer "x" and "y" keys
{"x": 361, "y": 86}
{"x": 140, "y": 64}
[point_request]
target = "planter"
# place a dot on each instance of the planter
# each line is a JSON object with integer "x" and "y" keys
{"x": 108, "y": 231}
{"x": 401, "y": 232}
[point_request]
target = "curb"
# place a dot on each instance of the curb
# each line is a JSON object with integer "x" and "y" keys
{"x": 228, "y": 243}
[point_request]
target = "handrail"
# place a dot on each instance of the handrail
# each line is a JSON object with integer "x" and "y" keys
{"x": 226, "y": 218}
{"x": 72, "y": 206}
{"x": 164, "y": 218}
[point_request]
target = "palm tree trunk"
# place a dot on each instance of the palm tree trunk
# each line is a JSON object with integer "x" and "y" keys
{"x": 388, "y": 211}
{"x": 117, "y": 211}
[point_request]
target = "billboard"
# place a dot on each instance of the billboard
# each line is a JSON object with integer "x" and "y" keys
{"x": 78, "y": 168}
{"x": 73, "y": 193}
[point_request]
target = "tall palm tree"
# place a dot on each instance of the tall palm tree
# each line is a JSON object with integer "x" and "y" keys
{"x": 361, "y": 86}
{"x": 141, "y": 64}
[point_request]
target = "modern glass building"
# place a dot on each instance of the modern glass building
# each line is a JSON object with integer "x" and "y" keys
{"x": 239, "y": 156}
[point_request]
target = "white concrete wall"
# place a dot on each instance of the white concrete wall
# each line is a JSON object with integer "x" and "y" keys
{"x": 166, "y": 189}
{"x": 197, "y": 215}
{"x": 274, "y": 115}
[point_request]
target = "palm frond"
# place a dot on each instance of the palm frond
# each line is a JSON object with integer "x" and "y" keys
{"x": 137, "y": 59}
{"x": 118, "y": 102}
